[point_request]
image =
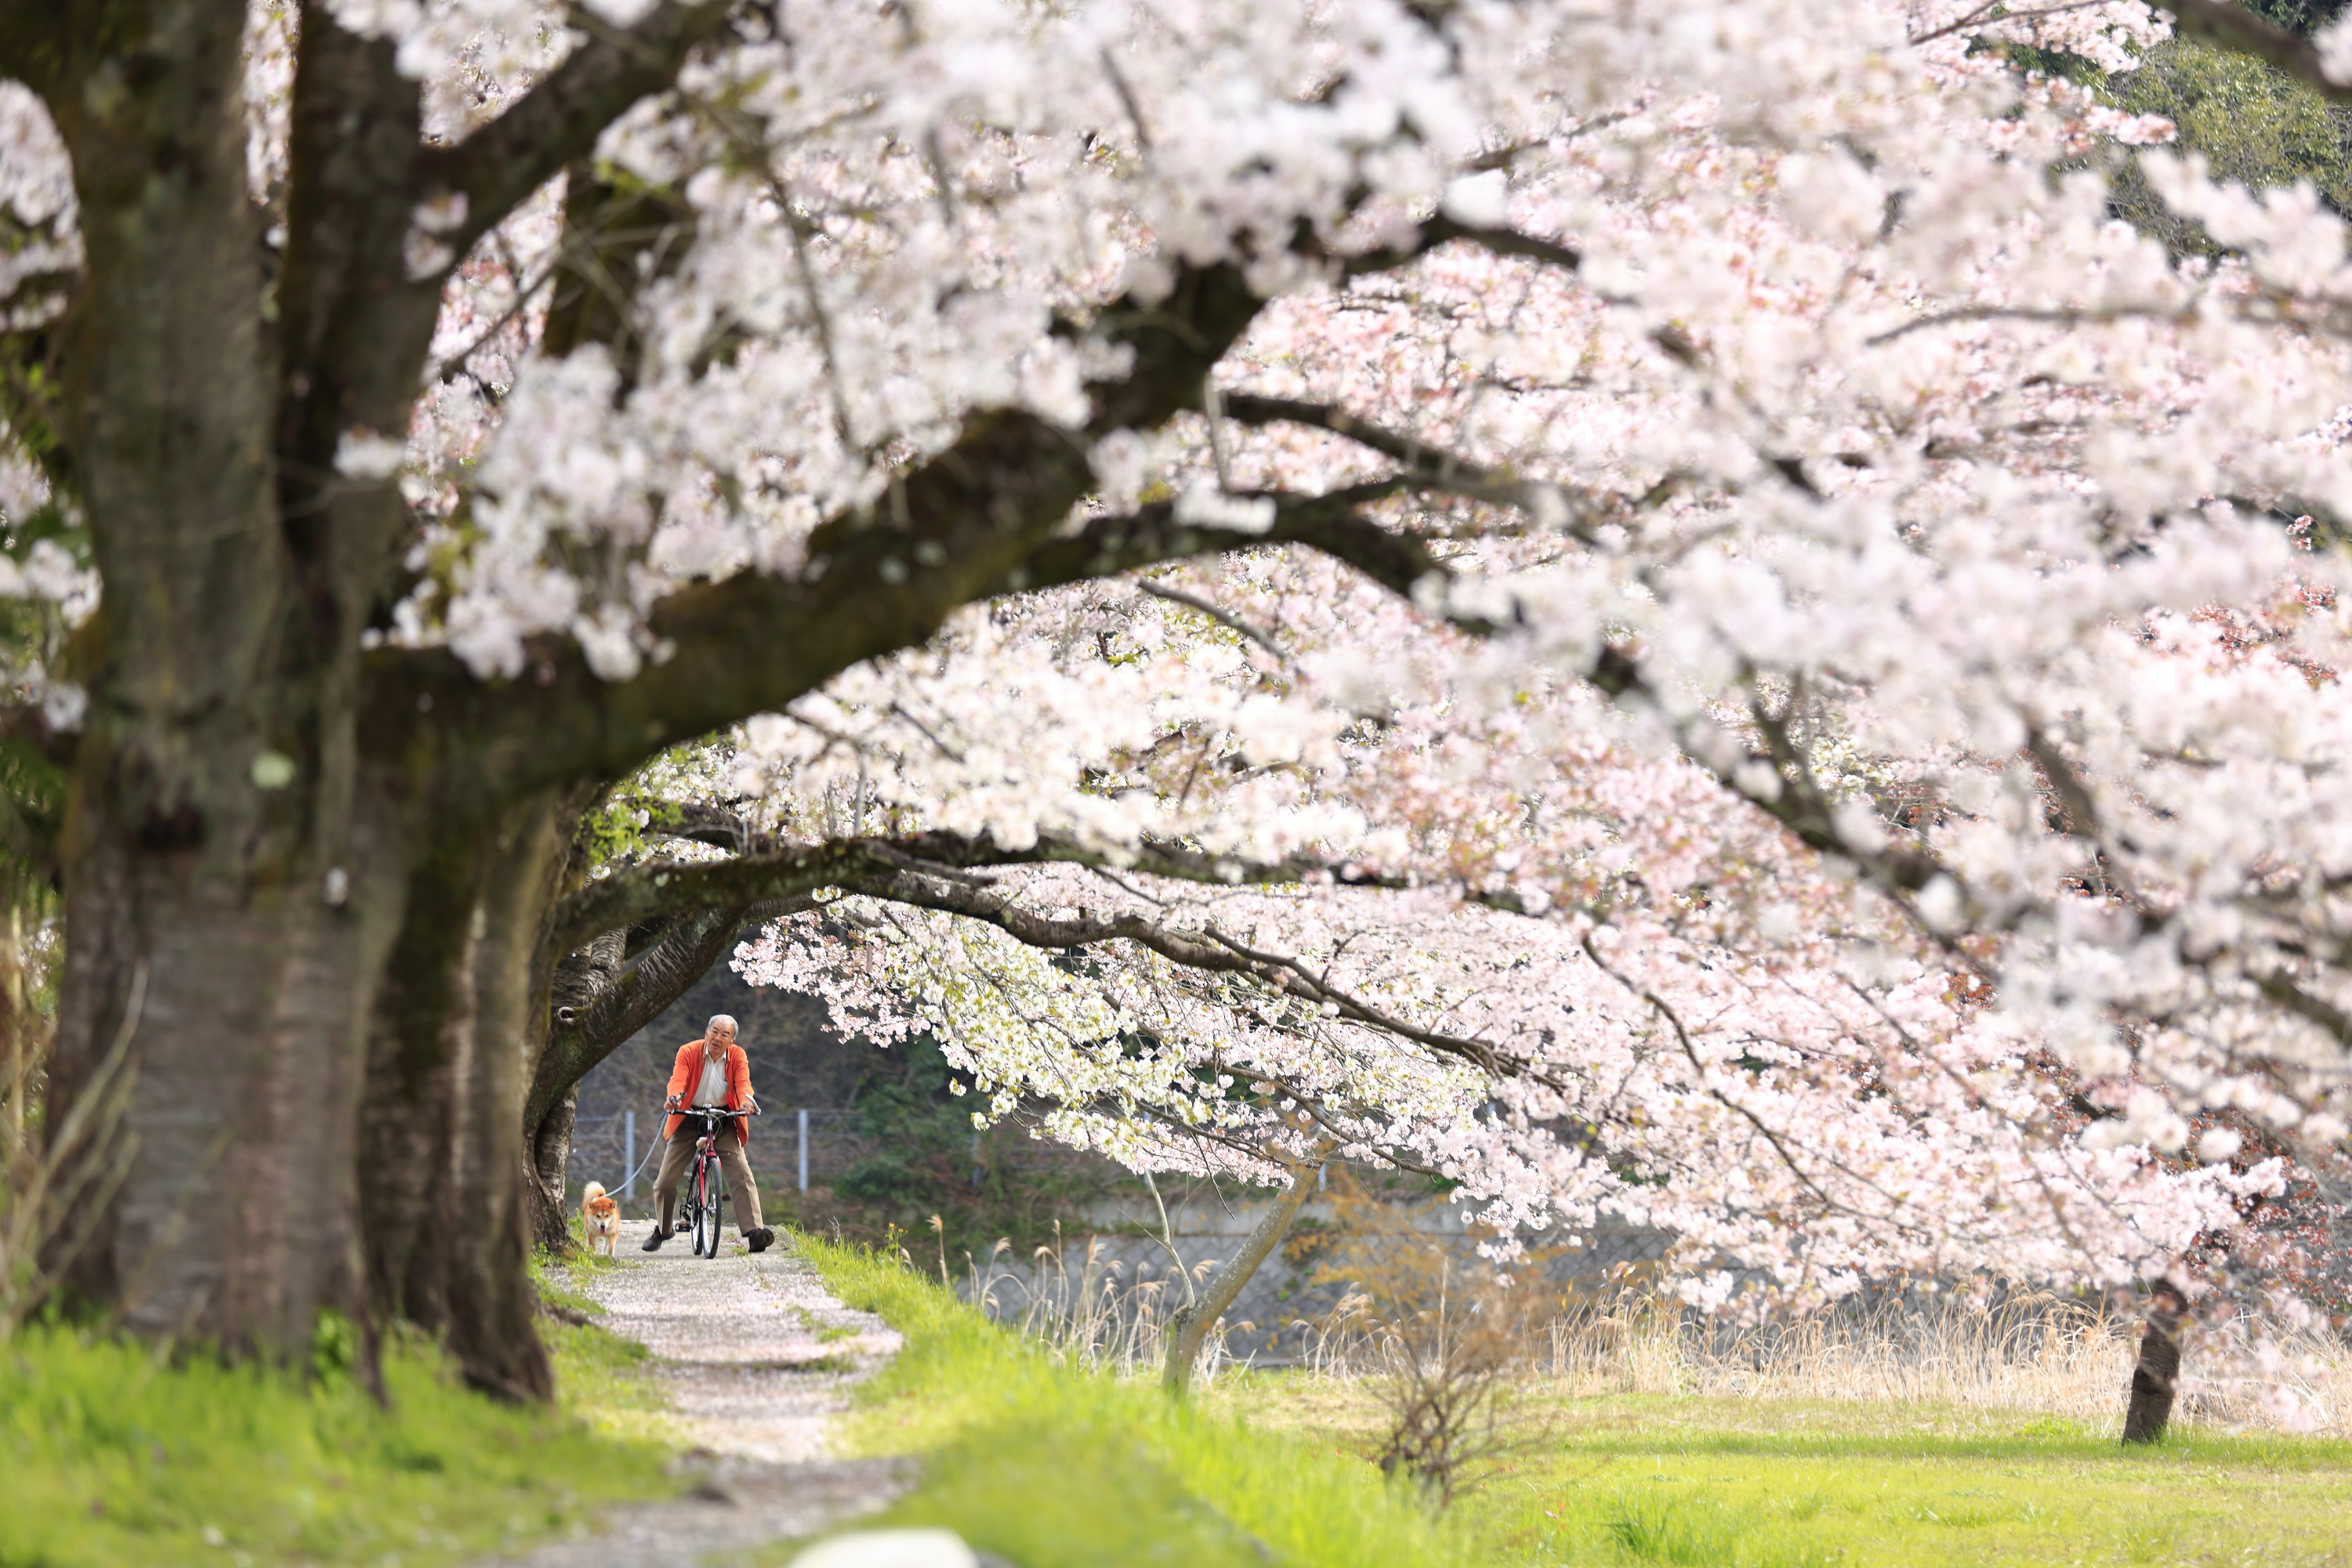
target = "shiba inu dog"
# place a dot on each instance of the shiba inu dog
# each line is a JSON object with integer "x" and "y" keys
{"x": 600, "y": 1219}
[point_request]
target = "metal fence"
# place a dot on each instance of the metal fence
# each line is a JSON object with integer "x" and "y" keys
{"x": 1120, "y": 1280}
{"x": 805, "y": 1145}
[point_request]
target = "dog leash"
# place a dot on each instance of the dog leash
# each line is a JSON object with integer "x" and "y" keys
{"x": 630, "y": 1180}
{"x": 651, "y": 1149}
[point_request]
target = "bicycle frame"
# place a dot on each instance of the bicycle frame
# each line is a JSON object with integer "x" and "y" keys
{"x": 707, "y": 1184}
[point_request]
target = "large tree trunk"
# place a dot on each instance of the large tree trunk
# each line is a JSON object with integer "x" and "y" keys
{"x": 443, "y": 1180}
{"x": 2157, "y": 1374}
{"x": 229, "y": 898}
{"x": 243, "y": 1006}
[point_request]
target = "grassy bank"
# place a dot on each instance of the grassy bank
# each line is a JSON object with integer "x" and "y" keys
{"x": 1052, "y": 1468}
{"x": 1046, "y": 1466}
{"x": 1770, "y": 1483}
{"x": 107, "y": 1457}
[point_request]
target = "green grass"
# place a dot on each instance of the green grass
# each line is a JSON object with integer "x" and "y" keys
{"x": 1048, "y": 1467}
{"x": 109, "y": 1458}
{"x": 601, "y": 1380}
{"x": 1625, "y": 1479}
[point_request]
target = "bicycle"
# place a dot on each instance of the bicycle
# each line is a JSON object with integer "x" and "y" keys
{"x": 707, "y": 1184}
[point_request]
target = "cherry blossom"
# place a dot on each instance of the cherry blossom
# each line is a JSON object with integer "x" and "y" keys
{"x": 1721, "y": 641}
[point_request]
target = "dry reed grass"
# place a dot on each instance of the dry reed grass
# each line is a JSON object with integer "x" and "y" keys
{"x": 1102, "y": 1319}
{"x": 54, "y": 1181}
{"x": 2016, "y": 1350}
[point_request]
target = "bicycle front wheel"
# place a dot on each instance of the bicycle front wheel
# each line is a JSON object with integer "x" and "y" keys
{"x": 705, "y": 1236}
{"x": 716, "y": 1191}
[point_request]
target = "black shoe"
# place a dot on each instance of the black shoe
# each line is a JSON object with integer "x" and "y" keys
{"x": 653, "y": 1243}
{"x": 759, "y": 1240}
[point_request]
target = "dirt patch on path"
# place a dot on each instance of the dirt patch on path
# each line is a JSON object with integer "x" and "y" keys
{"x": 759, "y": 1360}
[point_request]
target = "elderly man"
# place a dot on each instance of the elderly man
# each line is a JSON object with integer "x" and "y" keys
{"x": 711, "y": 1071}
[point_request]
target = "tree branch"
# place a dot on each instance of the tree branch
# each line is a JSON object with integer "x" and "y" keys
{"x": 1792, "y": 796}
{"x": 697, "y": 824}
{"x": 352, "y": 325}
{"x": 1208, "y": 951}
{"x": 777, "y": 869}
{"x": 1223, "y": 618}
{"x": 979, "y": 519}
{"x": 2232, "y": 27}
{"x": 2317, "y": 1010}
{"x": 666, "y": 887}
{"x": 976, "y": 514}
{"x": 560, "y": 118}
{"x": 1441, "y": 230}
{"x": 1433, "y": 468}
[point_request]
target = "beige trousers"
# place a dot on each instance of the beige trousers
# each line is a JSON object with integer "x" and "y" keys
{"x": 678, "y": 1154}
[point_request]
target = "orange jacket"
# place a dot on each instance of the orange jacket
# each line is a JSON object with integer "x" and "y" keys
{"x": 686, "y": 1076}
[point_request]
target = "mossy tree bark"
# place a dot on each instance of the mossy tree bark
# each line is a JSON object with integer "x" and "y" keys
{"x": 225, "y": 860}
{"x": 442, "y": 1200}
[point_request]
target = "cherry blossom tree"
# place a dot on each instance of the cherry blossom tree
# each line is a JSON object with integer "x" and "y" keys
{"x": 1635, "y": 607}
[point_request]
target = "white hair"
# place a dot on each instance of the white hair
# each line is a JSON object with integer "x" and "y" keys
{"x": 718, "y": 1018}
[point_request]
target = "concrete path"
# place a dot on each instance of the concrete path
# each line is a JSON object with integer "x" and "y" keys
{"x": 757, "y": 1360}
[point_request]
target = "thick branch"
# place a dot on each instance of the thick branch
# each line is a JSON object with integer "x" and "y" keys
{"x": 2303, "y": 1005}
{"x": 753, "y": 644}
{"x": 1334, "y": 524}
{"x": 561, "y": 118}
{"x": 352, "y": 324}
{"x": 499, "y": 738}
{"x": 704, "y": 825}
{"x": 2075, "y": 804}
{"x": 2230, "y": 26}
{"x": 1441, "y": 230}
{"x": 666, "y": 887}
{"x": 979, "y": 519}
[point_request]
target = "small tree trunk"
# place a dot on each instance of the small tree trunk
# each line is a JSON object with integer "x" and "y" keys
{"x": 581, "y": 978}
{"x": 2157, "y": 1374}
{"x": 1188, "y": 1327}
{"x": 550, "y": 1161}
